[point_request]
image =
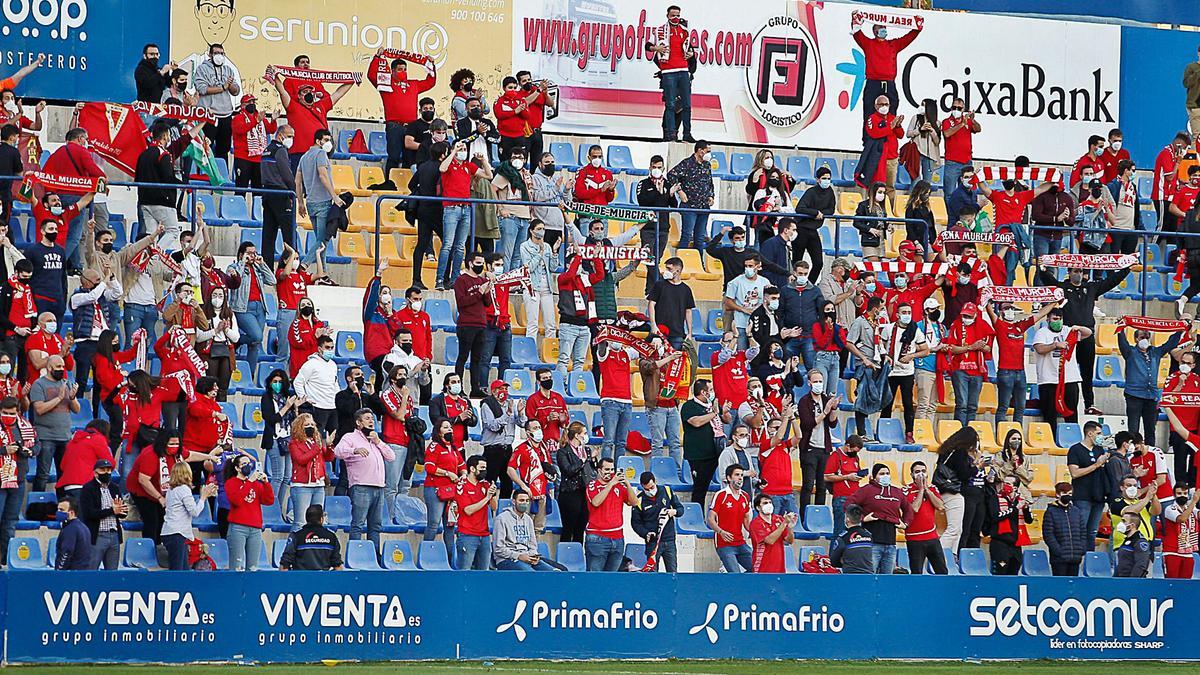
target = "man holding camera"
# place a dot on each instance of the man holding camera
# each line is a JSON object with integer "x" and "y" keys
{"x": 653, "y": 518}
{"x": 604, "y": 544}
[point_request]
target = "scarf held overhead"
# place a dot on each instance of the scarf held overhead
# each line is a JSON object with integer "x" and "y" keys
{"x": 963, "y": 237}
{"x": 860, "y": 18}
{"x": 1042, "y": 294}
{"x": 331, "y": 76}
{"x": 1153, "y": 325}
{"x": 175, "y": 111}
{"x": 53, "y": 182}
{"x": 116, "y": 133}
{"x": 1033, "y": 174}
{"x": 624, "y": 338}
{"x": 903, "y": 267}
{"x": 1085, "y": 261}
{"x": 623, "y": 213}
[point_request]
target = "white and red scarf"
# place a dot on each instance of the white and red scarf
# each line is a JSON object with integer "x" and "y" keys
{"x": 1086, "y": 261}
{"x": 306, "y": 75}
{"x": 963, "y": 237}
{"x": 176, "y": 111}
{"x": 1060, "y": 391}
{"x": 76, "y": 185}
{"x": 904, "y": 267}
{"x": 517, "y": 277}
{"x": 860, "y": 19}
{"x": 139, "y": 342}
{"x": 179, "y": 344}
{"x": 624, "y": 338}
{"x": 383, "y": 71}
{"x": 1041, "y": 294}
{"x": 1180, "y": 399}
{"x": 185, "y": 383}
{"x": 1153, "y": 325}
{"x": 141, "y": 260}
{"x": 1030, "y": 174}
{"x": 23, "y": 294}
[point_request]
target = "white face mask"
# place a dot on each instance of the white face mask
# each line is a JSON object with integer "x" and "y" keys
{"x": 956, "y": 114}
{"x": 461, "y": 155}
{"x": 327, "y": 147}
{"x": 1122, "y": 527}
{"x": 536, "y": 435}
{"x": 884, "y": 110}
{"x": 964, "y": 279}
{"x": 825, "y": 183}
{"x": 818, "y": 388}
{"x": 879, "y": 196}
{"x": 1185, "y": 368}
{"x": 1010, "y": 314}
{"x": 667, "y": 274}
{"x": 707, "y": 157}
{"x": 218, "y": 301}
{"x": 769, "y": 163}
{"x": 656, "y": 173}
{"x": 743, "y": 442}
{"x": 773, "y": 305}
{"x": 595, "y": 161}
{"x": 385, "y": 298}
{"x": 218, "y": 59}
{"x": 905, "y": 319}
{"x": 416, "y": 305}
{"x": 1143, "y": 344}
{"x": 51, "y": 327}
{"x": 885, "y": 479}
{"x": 287, "y": 142}
{"x": 751, "y": 272}
{"x": 456, "y": 389}
{"x": 901, "y": 282}
{"x": 518, "y": 164}
{"x": 10, "y": 106}
{"x": 756, "y": 392}
{"x": 767, "y": 508}
{"x": 968, "y": 321}
{"x": 5, "y": 368}
{"x": 739, "y": 244}
{"x": 498, "y": 269}
{"x": 1131, "y": 492}
{"x": 1116, "y": 145}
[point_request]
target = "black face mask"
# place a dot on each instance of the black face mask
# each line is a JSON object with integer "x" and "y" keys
{"x": 477, "y": 269}
{"x": 50, "y": 236}
{"x": 104, "y": 478}
{"x": 406, "y": 347}
{"x": 1181, "y": 501}
{"x": 427, "y": 115}
{"x": 528, "y": 86}
{"x": 547, "y": 384}
{"x": 252, "y": 108}
{"x": 308, "y": 98}
{"x": 306, "y": 311}
{"x": 1064, "y": 499}
{"x": 1054, "y": 189}
{"x": 468, "y": 85}
{"x": 475, "y": 113}
{"x": 830, "y": 315}
{"x": 360, "y": 380}
{"x": 311, "y": 432}
{"x": 153, "y": 61}
{"x": 447, "y": 436}
{"x": 1009, "y": 184}
{"x": 1096, "y": 192}
{"x": 106, "y": 248}
{"x": 549, "y": 169}
{"x": 400, "y": 381}
{"x": 58, "y": 374}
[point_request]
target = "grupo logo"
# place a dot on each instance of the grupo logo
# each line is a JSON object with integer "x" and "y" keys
{"x": 784, "y": 77}
{"x": 565, "y": 617}
{"x": 803, "y": 619}
{"x": 32, "y": 17}
{"x": 1049, "y": 617}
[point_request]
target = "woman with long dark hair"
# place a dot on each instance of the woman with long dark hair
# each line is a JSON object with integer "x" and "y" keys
{"x": 279, "y": 406}
{"x": 873, "y": 233}
{"x": 248, "y": 491}
{"x": 150, "y": 480}
{"x": 1011, "y": 462}
{"x": 106, "y": 368}
{"x": 955, "y": 476}
{"x": 220, "y": 341}
{"x": 926, "y": 134}
{"x": 918, "y": 208}
{"x": 577, "y": 465}
{"x": 444, "y": 465}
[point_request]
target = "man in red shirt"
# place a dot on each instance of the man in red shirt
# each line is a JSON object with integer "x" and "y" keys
{"x": 457, "y": 174}
{"x": 1010, "y": 362}
{"x": 616, "y": 396}
{"x": 1150, "y": 466}
{"x": 399, "y": 95}
{"x": 537, "y": 98}
{"x": 74, "y": 159}
{"x": 594, "y": 184}
{"x": 308, "y": 107}
{"x": 1011, "y": 206}
{"x": 530, "y": 468}
{"x": 1113, "y": 154}
{"x": 1162, "y": 190}
{"x": 921, "y": 536}
{"x": 729, "y": 377}
{"x": 729, "y": 517}
{"x": 671, "y": 48}
{"x": 772, "y": 536}
{"x": 885, "y": 124}
{"x": 1092, "y": 159}
{"x": 512, "y": 118}
{"x": 970, "y": 342}
{"x": 475, "y": 498}
{"x": 497, "y": 337}
{"x": 1180, "y": 539}
{"x": 43, "y": 344}
{"x": 775, "y": 463}
{"x": 958, "y": 130}
{"x": 607, "y": 496}
{"x": 1185, "y": 195}
{"x": 547, "y": 406}
{"x": 843, "y": 474}
{"x": 880, "y": 54}
{"x": 1184, "y": 381}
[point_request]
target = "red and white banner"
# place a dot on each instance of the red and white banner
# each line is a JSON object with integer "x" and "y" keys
{"x": 1153, "y": 325}
{"x": 305, "y": 75}
{"x": 860, "y": 18}
{"x": 116, "y": 133}
{"x": 77, "y": 185}
{"x": 900, "y": 267}
{"x": 175, "y": 111}
{"x": 411, "y": 57}
{"x": 179, "y": 342}
{"x": 1042, "y": 294}
{"x": 185, "y": 384}
{"x": 601, "y": 252}
{"x": 517, "y": 277}
{"x": 960, "y": 237}
{"x": 626, "y": 339}
{"x": 1031, "y": 174}
{"x": 1180, "y": 399}
{"x": 1085, "y": 261}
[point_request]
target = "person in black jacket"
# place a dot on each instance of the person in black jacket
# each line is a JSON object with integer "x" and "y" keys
{"x": 278, "y": 210}
{"x": 426, "y": 181}
{"x": 74, "y": 550}
{"x": 1064, "y": 529}
{"x": 953, "y": 476}
{"x": 279, "y": 405}
{"x": 312, "y": 547}
{"x": 1079, "y": 310}
{"x": 653, "y": 192}
{"x": 733, "y": 257}
{"x": 657, "y": 507}
{"x": 1005, "y": 510}
{"x": 873, "y": 233}
{"x": 149, "y": 78}
{"x": 357, "y": 395}
{"x": 851, "y": 551}
{"x": 766, "y": 322}
{"x": 817, "y": 202}
{"x": 476, "y": 124}
{"x": 11, "y": 167}
{"x": 918, "y": 209}
{"x": 101, "y": 508}
{"x": 156, "y": 205}
{"x": 577, "y": 463}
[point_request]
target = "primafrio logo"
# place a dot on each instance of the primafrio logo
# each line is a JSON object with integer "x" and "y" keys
{"x": 564, "y": 617}
{"x": 804, "y": 619}
{"x": 784, "y": 79}
{"x": 1116, "y": 617}
{"x": 57, "y": 17}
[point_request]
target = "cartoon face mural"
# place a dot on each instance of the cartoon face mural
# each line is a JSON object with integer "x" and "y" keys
{"x": 215, "y": 18}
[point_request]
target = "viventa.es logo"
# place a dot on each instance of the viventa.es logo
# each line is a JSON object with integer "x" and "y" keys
{"x": 562, "y": 616}
{"x": 784, "y": 77}
{"x": 804, "y": 619}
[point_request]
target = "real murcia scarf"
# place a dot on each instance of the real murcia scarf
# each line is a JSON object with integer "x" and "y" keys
{"x": 1085, "y": 261}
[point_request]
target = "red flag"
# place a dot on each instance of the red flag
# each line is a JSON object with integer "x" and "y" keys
{"x": 116, "y": 132}
{"x": 358, "y": 144}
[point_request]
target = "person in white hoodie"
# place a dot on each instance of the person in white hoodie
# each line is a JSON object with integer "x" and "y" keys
{"x": 316, "y": 384}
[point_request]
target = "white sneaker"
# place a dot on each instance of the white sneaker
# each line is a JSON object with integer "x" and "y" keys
{"x": 1097, "y": 313}
{"x": 1181, "y": 305}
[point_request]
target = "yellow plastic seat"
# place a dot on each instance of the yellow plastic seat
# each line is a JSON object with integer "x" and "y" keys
{"x": 351, "y": 245}
{"x": 1106, "y": 339}
{"x": 923, "y": 434}
{"x": 1034, "y": 529}
{"x": 946, "y": 428}
{"x": 343, "y": 180}
{"x": 362, "y": 216}
{"x": 1002, "y": 430}
{"x": 988, "y": 399}
{"x": 987, "y": 436}
{"x": 901, "y": 204}
{"x": 387, "y": 247}
{"x": 1041, "y": 435}
{"x": 370, "y": 175}
{"x": 946, "y": 406}
{"x": 1042, "y": 485}
{"x": 797, "y": 475}
{"x": 548, "y": 350}
{"x": 1062, "y": 474}
{"x": 401, "y": 177}
{"x": 693, "y": 266}
{"x": 893, "y": 242}
{"x": 848, "y": 202}
{"x": 938, "y": 207}
{"x": 391, "y": 220}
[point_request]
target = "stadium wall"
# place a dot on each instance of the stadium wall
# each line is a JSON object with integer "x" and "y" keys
{"x": 304, "y": 616}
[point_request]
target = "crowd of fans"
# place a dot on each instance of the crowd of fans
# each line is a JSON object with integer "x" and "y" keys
{"x": 768, "y": 418}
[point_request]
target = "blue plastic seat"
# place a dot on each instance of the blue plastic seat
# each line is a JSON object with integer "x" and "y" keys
{"x": 1036, "y": 562}
{"x": 360, "y": 555}
{"x": 222, "y": 168}
{"x": 818, "y": 523}
{"x": 277, "y": 548}
{"x": 1155, "y": 287}
{"x": 554, "y": 522}
{"x": 691, "y": 521}
{"x": 807, "y": 552}
{"x": 832, "y": 163}
{"x": 636, "y": 553}
{"x": 890, "y": 433}
{"x": 1144, "y": 185}
{"x": 240, "y": 379}
{"x": 716, "y": 322}
{"x": 520, "y": 382}
{"x": 699, "y": 330}
{"x": 666, "y": 472}
{"x": 721, "y": 166}
{"x": 410, "y": 512}
{"x": 972, "y": 563}
{"x": 337, "y": 510}
{"x": 349, "y": 345}
{"x": 377, "y": 143}
{"x": 432, "y": 556}
{"x": 342, "y": 149}
{"x": 1108, "y": 372}
{"x": 452, "y": 349}
{"x": 570, "y": 555}
{"x": 234, "y": 210}
{"x": 622, "y": 196}
{"x": 139, "y": 554}
{"x": 398, "y": 557}
{"x": 1097, "y": 564}
{"x": 902, "y": 559}
{"x": 25, "y": 553}
{"x": 705, "y": 353}
{"x": 218, "y": 550}
{"x": 212, "y": 216}
{"x": 1068, "y": 434}
{"x": 582, "y": 386}
{"x": 273, "y": 518}
{"x": 620, "y": 160}
{"x": 951, "y": 564}
{"x": 564, "y": 155}
{"x": 632, "y": 466}
{"x": 801, "y": 168}
{"x": 26, "y": 523}
{"x": 525, "y": 352}
{"x": 849, "y": 241}
{"x": 740, "y": 164}
{"x": 441, "y": 316}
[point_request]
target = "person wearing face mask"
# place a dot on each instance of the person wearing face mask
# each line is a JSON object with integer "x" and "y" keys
{"x": 928, "y": 373}
{"x": 670, "y": 47}
{"x": 444, "y": 467}
{"x": 653, "y": 192}
{"x": 594, "y": 183}
{"x": 427, "y": 214}
{"x": 704, "y": 421}
{"x": 829, "y": 340}
{"x": 1064, "y": 531}
{"x": 501, "y": 415}
{"x": 52, "y": 400}
{"x": 880, "y": 53}
{"x": 530, "y": 469}
{"x": 879, "y": 161}
{"x": 551, "y": 186}
{"x": 1148, "y": 464}
{"x": 74, "y": 551}
{"x": 970, "y": 342}
{"x": 277, "y": 173}
{"x": 457, "y": 174}
{"x": 742, "y": 451}
{"x": 538, "y": 257}
{"x": 48, "y": 282}
{"x": 465, "y": 86}
{"x": 251, "y": 129}
{"x": 884, "y": 509}
{"x": 816, "y": 412}
{"x": 512, "y": 182}
{"x": 248, "y": 491}
{"x": 606, "y": 497}
{"x": 12, "y": 167}
{"x": 219, "y": 341}
{"x": 149, "y": 77}
{"x": 1112, "y": 155}
{"x": 1089, "y": 480}
{"x": 862, "y": 342}
{"x": 671, "y": 303}
{"x": 546, "y": 406}
{"x": 958, "y": 130}
{"x": 1055, "y": 208}
{"x": 303, "y": 334}
{"x": 817, "y": 203}
{"x": 904, "y": 345}
{"x": 316, "y": 381}
{"x": 250, "y": 277}
{"x": 1183, "y": 420}
{"x": 279, "y": 406}
{"x": 653, "y": 519}
{"x": 766, "y": 323}
{"x": 514, "y": 541}
{"x": 743, "y": 296}
{"x": 419, "y": 135}
{"x": 1090, "y": 163}
{"x": 218, "y": 83}
{"x": 315, "y": 193}
{"x": 1011, "y": 356}
{"x": 1180, "y": 533}
{"x": 921, "y": 536}
{"x": 91, "y": 306}
{"x": 512, "y": 118}
{"x": 475, "y": 499}
{"x": 399, "y": 406}
{"x": 477, "y": 130}
{"x": 577, "y": 463}
{"x": 156, "y": 205}
{"x": 1142, "y": 361}
{"x": 1162, "y": 190}
{"x": 43, "y": 344}
{"x": 1011, "y": 206}
{"x": 307, "y": 105}
{"x": 209, "y": 430}
{"x": 961, "y": 288}
{"x": 778, "y": 251}
{"x": 1079, "y": 312}
{"x": 1133, "y": 535}
{"x": 102, "y": 508}
{"x": 768, "y": 190}
{"x": 872, "y": 231}
{"x": 1007, "y": 510}
{"x": 10, "y": 380}
{"x": 399, "y": 95}
{"x": 693, "y": 176}
{"x": 771, "y": 535}
{"x": 149, "y": 481}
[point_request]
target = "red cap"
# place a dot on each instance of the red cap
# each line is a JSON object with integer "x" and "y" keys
{"x": 248, "y": 98}
{"x": 664, "y": 330}
{"x": 908, "y": 246}
{"x": 496, "y": 384}
{"x": 970, "y": 309}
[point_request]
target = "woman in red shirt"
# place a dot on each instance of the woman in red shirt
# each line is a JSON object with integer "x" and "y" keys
{"x": 207, "y": 431}
{"x": 88, "y": 446}
{"x": 12, "y": 386}
{"x": 829, "y": 341}
{"x": 142, "y": 401}
{"x": 109, "y": 381}
{"x": 443, "y": 467}
{"x": 291, "y": 285}
{"x": 303, "y": 334}
{"x": 248, "y": 490}
{"x": 150, "y": 480}
{"x": 309, "y": 455}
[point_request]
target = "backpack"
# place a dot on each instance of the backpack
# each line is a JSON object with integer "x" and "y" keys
{"x": 1090, "y": 216}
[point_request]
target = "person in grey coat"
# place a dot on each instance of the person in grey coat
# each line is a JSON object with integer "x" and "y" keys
{"x": 514, "y": 542}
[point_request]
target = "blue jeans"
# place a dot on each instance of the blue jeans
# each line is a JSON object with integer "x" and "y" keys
{"x": 926, "y": 170}
{"x": 75, "y": 231}
{"x": 883, "y": 558}
{"x": 393, "y": 478}
{"x": 456, "y": 228}
{"x": 1045, "y": 246}
{"x": 1094, "y": 510}
{"x": 830, "y": 364}
{"x": 518, "y": 566}
{"x": 302, "y": 498}
{"x": 177, "y": 552}
{"x": 966, "y": 395}
{"x": 839, "y": 516}
{"x": 496, "y": 343}
{"x": 616, "y": 416}
{"x": 786, "y": 503}
{"x": 141, "y": 316}
{"x": 808, "y": 353}
{"x": 1010, "y": 388}
{"x": 435, "y": 509}
{"x": 474, "y": 552}
{"x": 573, "y": 344}
{"x": 47, "y": 451}
{"x": 692, "y": 228}
{"x": 951, "y": 173}
{"x": 665, "y": 428}
{"x": 603, "y": 554}
{"x": 677, "y": 92}
{"x": 736, "y": 559}
{"x": 251, "y": 324}
{"x": 513, "y": 232}
{"x": 283, "y": 325}
{"x": 366, "y": 512}
{"x": 318, "y": 213}
{"x": 245, "y": 547}
{"x": 279, "y": 471}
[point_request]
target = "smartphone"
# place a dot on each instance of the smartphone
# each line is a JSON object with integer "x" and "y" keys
{"x": 862, "y": 473}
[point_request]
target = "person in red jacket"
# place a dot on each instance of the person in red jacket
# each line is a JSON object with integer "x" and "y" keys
{"x": 547, "y": 407}
{"x": 594, "y": 184}
{"x": 251, "y": 133}
{"x": 885, "y": 124}
{"x": 1093, "y": 158}
{"x": 537, "y": 98}
{"x": 306, "y": 330}
{"x": 399, "y": 95}
{"x": 207, "y": 431}
{"x": 416, "y": 321}
{"x": 772, "y": 536}
{"x": 512, "y": 118}
{"x": 958, "y": 130}
{"x": 1162, "y": 190}
{"x": 308, "y": 107}
{"x": 88, "y": 446}
{"x": 880, "y": 53}
{"x": 671, "y": 48}
{"x": 309, "y": 455}
{"x": 248, "y": 490}
{"x": 381, "y": 322}
{"x": 106, "y": 371}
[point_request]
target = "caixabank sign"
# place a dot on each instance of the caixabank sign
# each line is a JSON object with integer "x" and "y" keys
{"x": 298, "y": 617}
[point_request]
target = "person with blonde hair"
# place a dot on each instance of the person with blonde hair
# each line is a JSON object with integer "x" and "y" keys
{"x": 182, "y": 508}
{"x": 309, "y": 454}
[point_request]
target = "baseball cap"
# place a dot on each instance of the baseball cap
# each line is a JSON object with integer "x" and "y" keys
{"x": 970, "y": 309}
{"x": 248, "y": 98}
{"x": 496, "y": 384}
{"x": 932, "y": 303}
{"x": 102, "y": 464}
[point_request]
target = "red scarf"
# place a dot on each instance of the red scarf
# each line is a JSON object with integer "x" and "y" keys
{"x": 1060, "y": 393}
{"x": 626, "y": 339}
{"x": 1153, "y": 325}
{"x": 23, "y": 294}
{"x": 76, "y": 185}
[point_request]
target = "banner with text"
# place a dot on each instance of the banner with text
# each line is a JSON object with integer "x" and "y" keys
{"x": 789, "y": 72}
{"x": 174, "y": 617}
{"x": 343, "y": 35}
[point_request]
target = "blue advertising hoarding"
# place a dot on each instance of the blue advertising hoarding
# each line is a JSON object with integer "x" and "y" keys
{"x": 1151, "y": 11}
{"x": 378, "y": 616}
{"x": 91, "y": 46}
{"x": 1152, "y": 93}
